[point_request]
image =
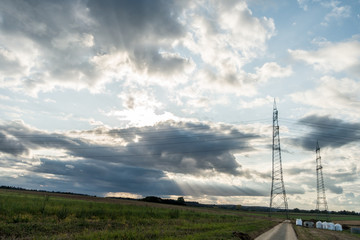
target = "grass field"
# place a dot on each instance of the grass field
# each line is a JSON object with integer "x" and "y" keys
{"x": 26, "y": 215}
{"x": 39, "y": 215}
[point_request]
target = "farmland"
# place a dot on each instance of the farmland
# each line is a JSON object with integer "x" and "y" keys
{"x": 303, "y": 233}
{"x": 42, "y": 215}
{"x": 28, "y": 215}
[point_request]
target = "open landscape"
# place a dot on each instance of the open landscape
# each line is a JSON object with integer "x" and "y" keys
{"x": 29, "y": 215}
{"x": 162, "y": 119}
{"x": 45, "y": 215}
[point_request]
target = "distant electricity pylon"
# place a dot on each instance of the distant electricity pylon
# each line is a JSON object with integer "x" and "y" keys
{"x": 320, "y": 186}
{"x": 278, "y": 200}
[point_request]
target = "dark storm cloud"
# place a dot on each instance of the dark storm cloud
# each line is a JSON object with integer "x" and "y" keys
{"x": 11, "y": 145}
{"x": 329, "y": 132}
{"x": 108, "y": 177}
{"x": 185, "y": 147}
{"x": 138, "y": 167}
{"x": 174, "y": 147}
{"x": 28, "y": 138}
{"x": 335, "y": 189}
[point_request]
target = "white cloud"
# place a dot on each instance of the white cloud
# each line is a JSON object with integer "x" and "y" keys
{"x": 3, "y": 97}
{"x": 303, "y": 4}
{"x": 48, "y": 100}
{"x": 75, "y": 50}
{"x": 337, "y": 11}
{"x": 333, "y": 96}
{"x": 138, "y": 98}
{"x": 332, "y": 57}
{"x": 257, "y": 102}
{"x": 204, "y": 103}
{"x": 240, "y": 82}
{"x": 272, "y": 70}
{"x": 140, "y": 108}
{"x": 94, "y": 122}
{"x": 123, "y": 195}
{"x": 142, "y": 116}
{"x": 65, "y": 40}
{"x": 78, "y": 44}
{"x": 224, "y": 46}
{"x": 253, "y": 33}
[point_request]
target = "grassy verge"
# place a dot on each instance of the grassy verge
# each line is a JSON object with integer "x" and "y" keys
{"x": 32, "y": 216}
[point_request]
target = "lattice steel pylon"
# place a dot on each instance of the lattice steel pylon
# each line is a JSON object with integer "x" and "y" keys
{"x": 320, "y": 186}
{"x": 278, "y": 200}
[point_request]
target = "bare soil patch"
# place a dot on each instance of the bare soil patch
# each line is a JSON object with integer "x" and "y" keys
{"x": 352, "y": 223}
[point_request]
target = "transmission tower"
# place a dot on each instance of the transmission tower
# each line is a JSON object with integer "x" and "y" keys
{"x": 278, "y": 200}
{"x": 320, "y": 186}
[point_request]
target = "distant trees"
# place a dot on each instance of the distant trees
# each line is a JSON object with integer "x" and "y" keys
{"x": 179, "y": 201}
{"x": 344, "y": 212}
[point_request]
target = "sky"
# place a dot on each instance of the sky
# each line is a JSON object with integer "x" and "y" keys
{"x": 175, "y": 98}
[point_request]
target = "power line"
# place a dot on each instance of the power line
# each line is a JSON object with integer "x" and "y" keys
{"x": 136, "y": 131}
{"x": 322, "y": 125}
{"x": 201, "y": 138}
{"x": 162, "y": 153}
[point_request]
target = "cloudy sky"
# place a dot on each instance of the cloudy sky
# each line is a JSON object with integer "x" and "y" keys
{"x": 175, "y": 98}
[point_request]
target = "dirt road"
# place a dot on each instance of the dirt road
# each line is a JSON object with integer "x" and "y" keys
{"x": 281, "y": 231}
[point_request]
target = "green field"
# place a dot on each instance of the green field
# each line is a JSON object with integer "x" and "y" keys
{"x": 40, "y": 216}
